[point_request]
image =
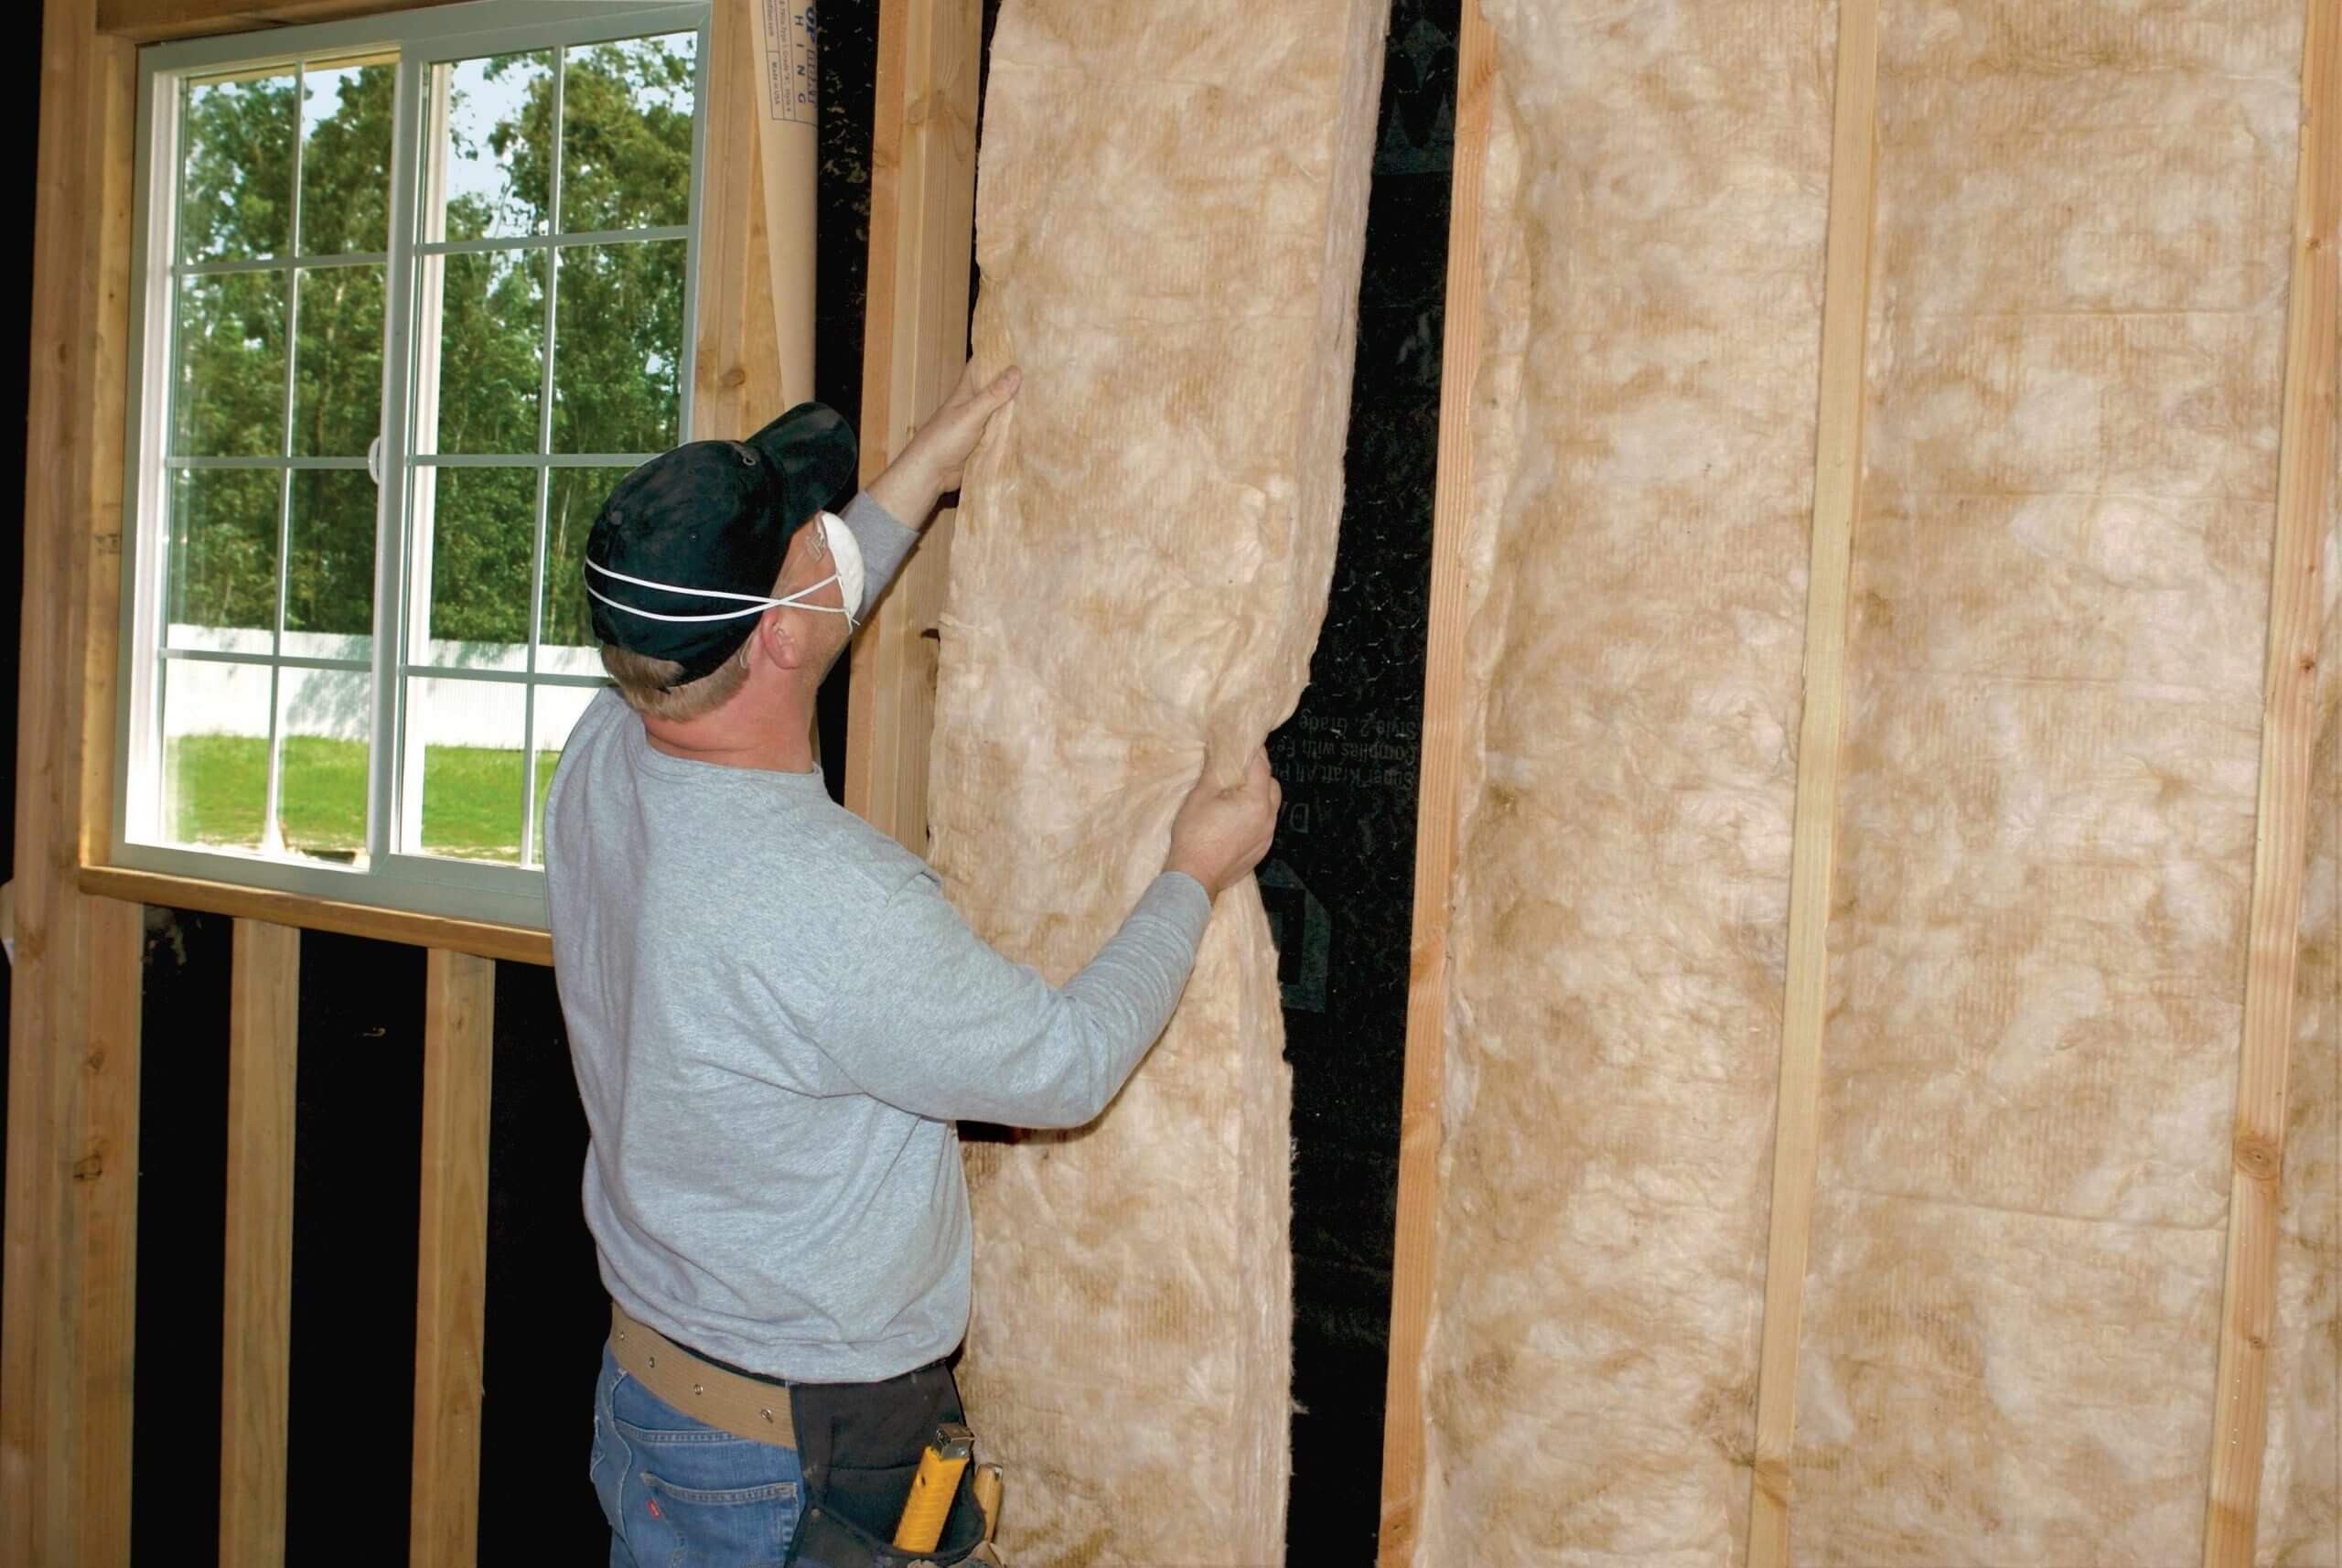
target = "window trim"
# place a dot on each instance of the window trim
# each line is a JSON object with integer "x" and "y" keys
{"x": 512, "y": 894}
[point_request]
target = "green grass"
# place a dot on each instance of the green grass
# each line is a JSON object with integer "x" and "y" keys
{"x": 471, "y": 803}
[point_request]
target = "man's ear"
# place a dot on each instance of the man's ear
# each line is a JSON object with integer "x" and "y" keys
{"x": 776, "y": 642}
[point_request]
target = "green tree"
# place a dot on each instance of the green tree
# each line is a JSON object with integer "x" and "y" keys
{"x": 624, "y": 146}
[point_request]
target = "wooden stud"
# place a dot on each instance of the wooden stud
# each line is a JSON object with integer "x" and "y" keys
{"x": 1837, "y": 502}
{"x": 2289, "y": 729}
{"x": 105, "y": 1186}
{"x": 105, "y": 1169}
{"x": 1435, "y": 807}
{"x": 516, "y": 943}
{"x": 783, "y": 108}
{"x": 263, "y": 1028}
{"x": 451, "y": 1271}
{"x": 736, "y": 383}
{"x": 70, "y": 1210}
{"x": 922, "y": 235}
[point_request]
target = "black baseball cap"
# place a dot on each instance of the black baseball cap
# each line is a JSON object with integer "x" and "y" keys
{"x": 715, "y": 517}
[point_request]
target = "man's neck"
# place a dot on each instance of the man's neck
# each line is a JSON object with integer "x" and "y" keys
{"x": 730, "y": 739}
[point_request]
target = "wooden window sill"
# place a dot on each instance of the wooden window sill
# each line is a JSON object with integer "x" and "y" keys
{"x": 487, "y": 939}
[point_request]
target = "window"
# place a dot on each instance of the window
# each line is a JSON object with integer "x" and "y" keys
{"x": 418, "y": 291}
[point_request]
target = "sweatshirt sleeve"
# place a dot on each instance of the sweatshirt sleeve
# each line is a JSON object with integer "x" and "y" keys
{"x": 931, "y": 1020}
{"x": 885, "y": 545}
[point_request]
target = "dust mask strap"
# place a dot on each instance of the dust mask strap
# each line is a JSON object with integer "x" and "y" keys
{"x": 845, "y": 570}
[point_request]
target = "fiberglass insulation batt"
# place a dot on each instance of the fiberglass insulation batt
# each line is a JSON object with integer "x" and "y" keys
{"x": 2060, "y": 603}
{"x": 1171, "y": 209}
{"x": 2059, "y": 607}
{"x": 1652, "y": 232}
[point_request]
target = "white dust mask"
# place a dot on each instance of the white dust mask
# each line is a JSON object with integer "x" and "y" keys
{"x": 845, "y": 564}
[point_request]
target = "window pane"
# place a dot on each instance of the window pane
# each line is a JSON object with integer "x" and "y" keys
{"x": 346, "y": 158}
{"x": 223, "y": 568}
{"x": 324, "y": 719}
{"x": 483, "y": 522}
{"x": 618, "y": 347}
{"x": 329, "y": 575}
{"x": 576, "y": 497}
{"x": 558, "y": 708}
{"x": 496, "y": 154}
{"x": 626, "y": 133}
{"x": 487, "y": 330}
{"x": 470, "y": 735}
{"x": 215, "y": 752}
{"x": 236, "y": 174}
{"x": 229, "y": 389}
{"x": 338, "y": 362}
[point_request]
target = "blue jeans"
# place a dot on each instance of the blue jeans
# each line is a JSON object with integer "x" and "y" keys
{"x": 682, "y": 1495}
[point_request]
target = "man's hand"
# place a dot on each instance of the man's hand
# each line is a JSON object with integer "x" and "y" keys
{"x": 1221, "y": 834}
{"x": 933, "y": 460}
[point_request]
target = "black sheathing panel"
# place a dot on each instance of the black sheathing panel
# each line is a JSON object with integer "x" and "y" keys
{"x": 849, "y": 66}
{"x": 182, "y": 1232}
{"x": 546, "y": 1314}
{"x": 357, "y": 1191}
{"x": 1339, "y": 882}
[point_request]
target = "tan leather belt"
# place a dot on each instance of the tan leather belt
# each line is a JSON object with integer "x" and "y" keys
{"x": 699, "y": 1389}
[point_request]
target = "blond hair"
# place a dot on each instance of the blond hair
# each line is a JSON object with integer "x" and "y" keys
{"x": 648, "y": 684}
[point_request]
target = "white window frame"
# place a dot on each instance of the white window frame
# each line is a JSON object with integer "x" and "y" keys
{"x": 391, "y": 878}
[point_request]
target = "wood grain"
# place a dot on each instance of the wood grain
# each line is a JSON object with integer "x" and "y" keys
{"x": 105, "y": 1190}
{"x": 153, "y": 21}
{"x": 914, "y": 339}
{"x": 451, "y": 1268}
{"x": 64, "y": 1367}
{"x": 1436, "y": 807}
{"x": 735, "y": 367}
{"x": 2296, "y": 606}
{"x": 255, "y": 1385}
{"x": 1837, "y": 502}
{"x": 518, "y": 944}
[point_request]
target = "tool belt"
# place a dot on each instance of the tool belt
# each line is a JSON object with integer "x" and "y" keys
{"x": 858, "y": 1444}
{"x": 712, "y": 1395}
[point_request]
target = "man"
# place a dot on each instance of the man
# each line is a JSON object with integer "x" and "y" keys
{"x": 774, "y": 1017}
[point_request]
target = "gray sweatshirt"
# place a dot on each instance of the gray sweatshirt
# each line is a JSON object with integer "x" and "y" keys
{"x": 776, "y": 1018}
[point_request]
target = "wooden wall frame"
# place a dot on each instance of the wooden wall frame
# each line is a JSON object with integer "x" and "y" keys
{"x": 2305, "y": 509}
{"x": 67, "y": 1353}
{"x": 914, "y": 339}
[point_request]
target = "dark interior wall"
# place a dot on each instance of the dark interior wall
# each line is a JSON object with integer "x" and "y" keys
{"x": 1338, "y": 886}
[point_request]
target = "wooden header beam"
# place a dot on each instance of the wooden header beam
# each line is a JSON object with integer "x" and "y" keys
{"x": 914, "y": 339}
{"x": 155, "y": 21}
{"x": 1436, "y": 807}
{"x": 2281, "y": 847}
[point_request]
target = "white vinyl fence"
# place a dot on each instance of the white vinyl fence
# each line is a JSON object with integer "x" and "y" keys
{"x": 206, "y": 697}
